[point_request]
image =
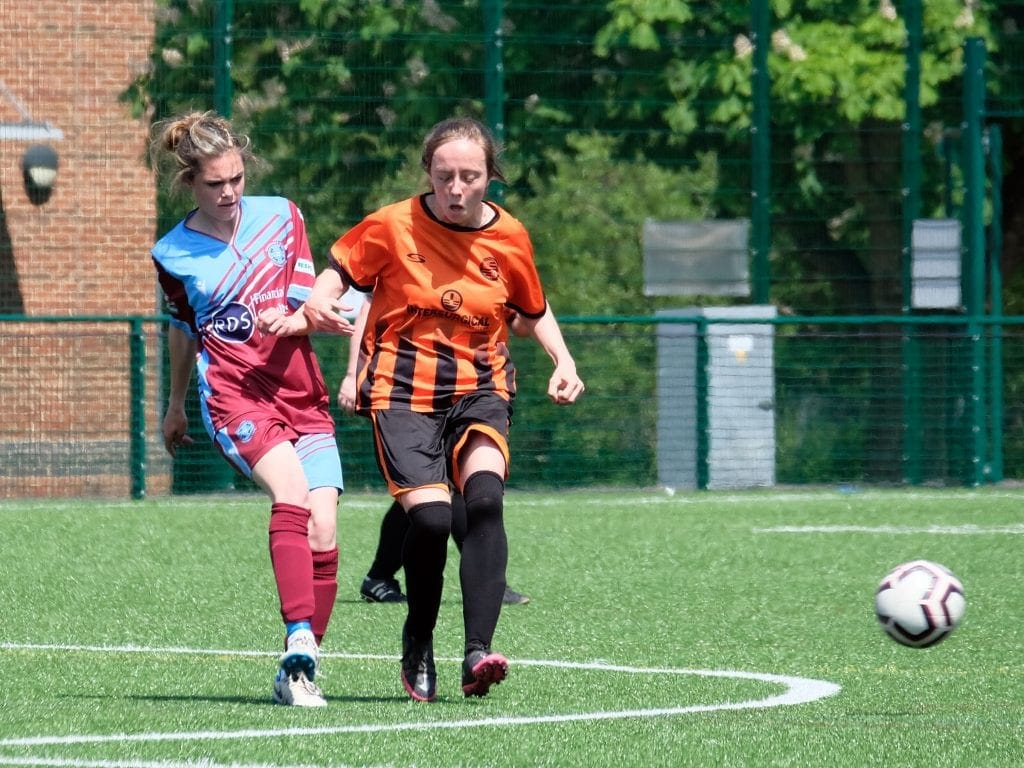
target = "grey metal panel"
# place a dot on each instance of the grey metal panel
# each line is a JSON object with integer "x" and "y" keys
{"x": 696, "y": 258}
{"x": 741, "y": 399}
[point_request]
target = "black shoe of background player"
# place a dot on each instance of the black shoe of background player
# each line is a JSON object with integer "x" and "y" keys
{"x": 514, "y": 598}
{"x": 381, "y": 591}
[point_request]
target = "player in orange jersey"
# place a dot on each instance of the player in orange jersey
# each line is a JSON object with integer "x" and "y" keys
{"x": 445, "y": 268}
{"x": 380, "y": 585}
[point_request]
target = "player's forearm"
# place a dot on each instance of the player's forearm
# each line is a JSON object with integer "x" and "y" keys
{"x": 549, "y": 335}
{"x": 322, "y": 305}
{"x": 329, "y": 285}
{"x": 182, "y": 352}
{"x": 358, "y": 327}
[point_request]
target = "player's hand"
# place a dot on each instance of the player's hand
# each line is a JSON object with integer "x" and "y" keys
{"x": 565, "y": 385}
{"x": 323, "y": 314}
{"x": 175, "y": 429}
{"x": 275, "y": 322}
{"x": 347, "y": 393}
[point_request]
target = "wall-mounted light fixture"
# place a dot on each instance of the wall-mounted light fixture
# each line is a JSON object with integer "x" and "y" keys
{"x": 39, "y": 168}
{"x": 40, "y": 162}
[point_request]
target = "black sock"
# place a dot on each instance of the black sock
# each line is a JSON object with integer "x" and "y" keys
{"x": 484, "y": 558}
{"x": 393, "y": 528}
{"x": 424, "y": 555}
{"x": 458, "y": 519}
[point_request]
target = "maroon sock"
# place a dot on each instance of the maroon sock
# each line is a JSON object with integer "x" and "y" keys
{"x": 292, "y": 561}
{"x": 325, "y": 589}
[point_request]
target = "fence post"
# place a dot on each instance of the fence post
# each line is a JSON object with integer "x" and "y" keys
{"x": 760, "y": 149}
{"x": 223, "y": 89}
{"x": 494, "y": 79}
{"x": 703, "y": 425}
{"x": 995, "y": 154}
{"x": 974, "y": 251}
{"x": 911, "y": 145}
{"x": 137, "y": 408}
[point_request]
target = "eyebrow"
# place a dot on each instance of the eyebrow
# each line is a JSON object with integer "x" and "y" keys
{"x": 236, "y": 177}
{"x": 441, "y": 171}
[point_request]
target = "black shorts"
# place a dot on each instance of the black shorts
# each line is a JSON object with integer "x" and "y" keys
{"x": 421, "y": 450}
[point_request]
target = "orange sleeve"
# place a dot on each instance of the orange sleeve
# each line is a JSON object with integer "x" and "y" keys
{"x": 526, "y": 294}
{"x": 362, "y": 252}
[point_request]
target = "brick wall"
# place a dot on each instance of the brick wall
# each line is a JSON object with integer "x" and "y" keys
{"x": 86, "y": 250}
{"x": 67, "y": 61}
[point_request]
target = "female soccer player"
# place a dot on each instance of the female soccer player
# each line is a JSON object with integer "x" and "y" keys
{"x": 263, "y": 399}
{"x": 380, "y": 584}
{"x": 445, "y": 268}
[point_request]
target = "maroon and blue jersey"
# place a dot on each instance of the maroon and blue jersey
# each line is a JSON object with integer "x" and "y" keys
{"x": 215, "y": 290}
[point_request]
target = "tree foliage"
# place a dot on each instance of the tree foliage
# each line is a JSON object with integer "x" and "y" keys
{"x": 336, "y": 93}
{"x": 837, "y": 71}
{"x": 614, "y": 111}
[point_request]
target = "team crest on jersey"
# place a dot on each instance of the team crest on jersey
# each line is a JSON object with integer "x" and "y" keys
{"x": 246, "y": 431}
{"x": 235, "y": 324}
{"x": 277, "y": 253}
{"x": 489, "y": 268}
{"x": 451, "y": 300}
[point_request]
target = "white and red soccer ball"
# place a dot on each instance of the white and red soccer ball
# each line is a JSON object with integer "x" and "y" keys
{"x": 919, "y": 603}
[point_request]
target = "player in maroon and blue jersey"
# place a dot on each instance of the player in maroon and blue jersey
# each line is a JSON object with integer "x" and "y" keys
{"x": 263, "y": 399}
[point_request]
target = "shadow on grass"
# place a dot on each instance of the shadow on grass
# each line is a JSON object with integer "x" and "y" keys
{"x": 249, "y": 700}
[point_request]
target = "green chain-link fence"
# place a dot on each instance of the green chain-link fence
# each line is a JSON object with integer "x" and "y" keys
{"x": 830, "y": 127}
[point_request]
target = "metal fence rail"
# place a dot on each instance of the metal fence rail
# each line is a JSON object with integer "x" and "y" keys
{"x": 702, "y": 401}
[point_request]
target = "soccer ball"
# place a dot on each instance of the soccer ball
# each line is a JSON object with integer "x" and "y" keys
{"x": 919, "y": 603}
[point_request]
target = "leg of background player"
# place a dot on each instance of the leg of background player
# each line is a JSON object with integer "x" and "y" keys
{"x": 381, "y": 584}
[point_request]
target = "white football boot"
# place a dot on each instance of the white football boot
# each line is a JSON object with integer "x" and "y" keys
{"x": 293, "y": 685}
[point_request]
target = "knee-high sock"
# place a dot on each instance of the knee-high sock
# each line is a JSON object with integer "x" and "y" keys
{"x": 424, "y": 555}
{"x": 388, "y": 559}
{"x": 325, "y": 589}
{"x": 458, "y": 519}
{"x": 484, "y": 558}
{"x": 292, "y": 561}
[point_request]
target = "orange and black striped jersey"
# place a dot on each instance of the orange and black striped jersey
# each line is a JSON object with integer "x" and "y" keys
{"x": 437, "y": 328}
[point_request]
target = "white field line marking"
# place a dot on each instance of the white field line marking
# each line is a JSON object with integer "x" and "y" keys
{"x": 753, "y": 497}
{"x": 798, "y": 690}
{"x": 60, "y": 762}
{"x": 945, "y": 530}
{"x": 680, "y": 496}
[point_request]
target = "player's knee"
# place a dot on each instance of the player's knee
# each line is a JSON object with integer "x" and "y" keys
{"x": 484, "y": 493}
{"x": 323, "y": 520}
{"x": 432, "y": 519}
{"x": 323, "y": 533}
